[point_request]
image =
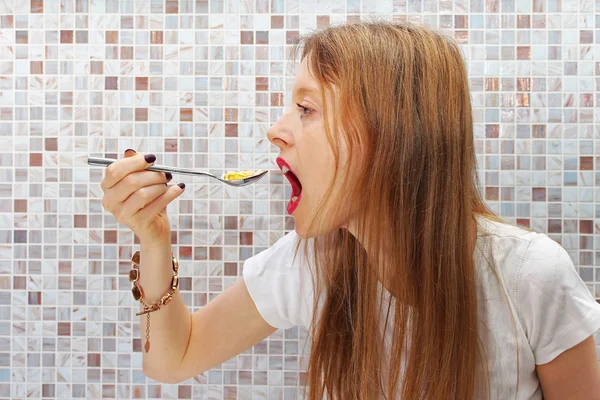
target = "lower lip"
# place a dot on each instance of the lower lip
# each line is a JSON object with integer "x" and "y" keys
{"x": 292, "y": 205}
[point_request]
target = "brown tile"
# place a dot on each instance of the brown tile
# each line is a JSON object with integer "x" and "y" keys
{"x": 276, "y": 99}
{"x": 230, "y": 222}
{"x": 262, "y": 83}
{"x": 292, "y": 37}
{"x": 231, "y": 114}
{"x": 36, "y": 67}
{"x": 80, "y": 221}
{"x": 492, "y": 84}
{"x": 111, "y": 83}
{"x": 66, "y": 36}
{"x": 523, "y": 21}
{"x": 141, "y": 114}
{"x": 231, "y": 130}
{"x": 186, "y": 114}
{"x": 93, "y": 359}
{"x": 492, "y": 193}
{"x": 215, "y": 253}
{"x": 276, "y": 21}
{"x": 522, "y": 99}
{"x": 524, "y": 84}
{"x": 51, "y": 144}
{"x": 22, "y": 37}
{"x": 586, "y": 226}
{"x": 112, "y": 37}
{"x": 171, "y": 145}
{"x": 184, "y": 392}
{"x": 492, "y": 131}
{"x": 586, "y": 163}
{"x": 21, "y": 205}
{"x": 34, "y": 298}
{"x": 19, "y": 282}
{"x": 35, "y": 159}
{"x": 246, "y": 37}
{"x": 141, "y": 83}
{"x": 538, "y": 194}
{"x": 246, "y": 238}
{"x": 156, "y": 37}
{"x": 172, "y": 7}
{"x": 97, "y": 67}
{"x": 126, "y": 53}
{"x": 538, "y": 131}
{"x": 110, "y": 236}
{"x": 185, "y": 252}
{"x": 230, "y": 269}
{"x": 523, "y": 52}
{"x": 461, "y": 22}
{"x": 323, "y": 21}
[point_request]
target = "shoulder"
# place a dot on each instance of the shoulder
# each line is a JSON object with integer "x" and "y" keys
{"x": 278, "y": 280}
{"x": 554, "y": 306}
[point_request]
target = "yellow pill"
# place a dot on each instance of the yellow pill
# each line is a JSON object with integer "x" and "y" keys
{"x": 236, "y": 175}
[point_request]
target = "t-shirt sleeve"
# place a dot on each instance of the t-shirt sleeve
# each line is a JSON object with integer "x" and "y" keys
{"x": 279, "y": 284}
{"x": 555, "y": 305}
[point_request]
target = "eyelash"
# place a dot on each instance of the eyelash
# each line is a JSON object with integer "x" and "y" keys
{"x": 305, "y": 110}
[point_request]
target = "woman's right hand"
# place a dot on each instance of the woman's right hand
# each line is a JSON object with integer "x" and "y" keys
{"x": 138, "y": 198}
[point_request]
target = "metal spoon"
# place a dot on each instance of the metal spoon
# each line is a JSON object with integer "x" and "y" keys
{"x": 104, "y": 162}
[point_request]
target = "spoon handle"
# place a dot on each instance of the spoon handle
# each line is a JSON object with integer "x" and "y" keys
{"x": 105, "y": 162}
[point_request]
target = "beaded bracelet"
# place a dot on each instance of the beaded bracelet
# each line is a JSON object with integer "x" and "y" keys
{"x": 138, "y": 292}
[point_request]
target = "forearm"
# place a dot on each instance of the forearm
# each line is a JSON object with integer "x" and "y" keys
{"x": 170, "y": 326}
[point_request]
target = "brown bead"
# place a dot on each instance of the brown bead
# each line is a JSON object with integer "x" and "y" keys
{"x": 174, "y": 282}
{"x": 134, "y": 275}
{"x": 137, "y": 292}
{"x": 147, "y": 346}
{"x": 136, "y": 258}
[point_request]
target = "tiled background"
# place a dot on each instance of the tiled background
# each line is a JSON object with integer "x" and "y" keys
{"x": 198, "y": 83}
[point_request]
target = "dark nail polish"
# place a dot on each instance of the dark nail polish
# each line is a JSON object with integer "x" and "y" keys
{"x": 128, "y": 150}
{"x": 150, "y": 158}
{"x": 169, "y": 175}
{"x": 181, "y": 185}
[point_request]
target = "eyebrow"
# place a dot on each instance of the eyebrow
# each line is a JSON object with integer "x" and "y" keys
{"x": 304, "y": 90}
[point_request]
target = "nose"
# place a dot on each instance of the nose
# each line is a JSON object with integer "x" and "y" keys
{"x": 281, "y": 132}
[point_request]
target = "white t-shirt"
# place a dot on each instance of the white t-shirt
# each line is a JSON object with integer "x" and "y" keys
{"x": 551, "y": 307}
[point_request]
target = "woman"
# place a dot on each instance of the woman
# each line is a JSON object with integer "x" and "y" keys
{"x": 410, "y": 285}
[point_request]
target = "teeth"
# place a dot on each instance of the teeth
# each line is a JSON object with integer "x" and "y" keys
{"x": 294, "y": 199}
{"x": 285, "y": 169}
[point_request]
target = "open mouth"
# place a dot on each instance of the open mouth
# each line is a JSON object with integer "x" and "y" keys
{"x": 294, "y": 181}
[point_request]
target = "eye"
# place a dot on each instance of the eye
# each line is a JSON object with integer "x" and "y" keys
{"x": 305, "y": 110}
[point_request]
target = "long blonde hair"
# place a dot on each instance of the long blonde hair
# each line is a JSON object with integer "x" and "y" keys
{"x": 402, "y": 106}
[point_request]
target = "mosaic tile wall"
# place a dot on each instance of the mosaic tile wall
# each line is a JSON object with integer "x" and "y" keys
{"x": 197, "y": 83}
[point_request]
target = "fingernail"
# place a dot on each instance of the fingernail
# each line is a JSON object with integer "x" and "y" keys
{"x": 128, "y": 150}
{"x": 150, "y": 158}
{"x": 169, "y": 175}
{"x": 181, "y": 185}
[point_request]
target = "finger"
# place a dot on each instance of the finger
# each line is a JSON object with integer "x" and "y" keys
{"x": 160, "y": 202}
{"x": 135, "y": 181}
{"x": 140, "y": 199}
{"x": 123, "y": 167}
{"x": 130, "y": 153}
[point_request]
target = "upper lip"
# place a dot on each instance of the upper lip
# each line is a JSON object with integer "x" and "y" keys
{"x": 290, "y": 175}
